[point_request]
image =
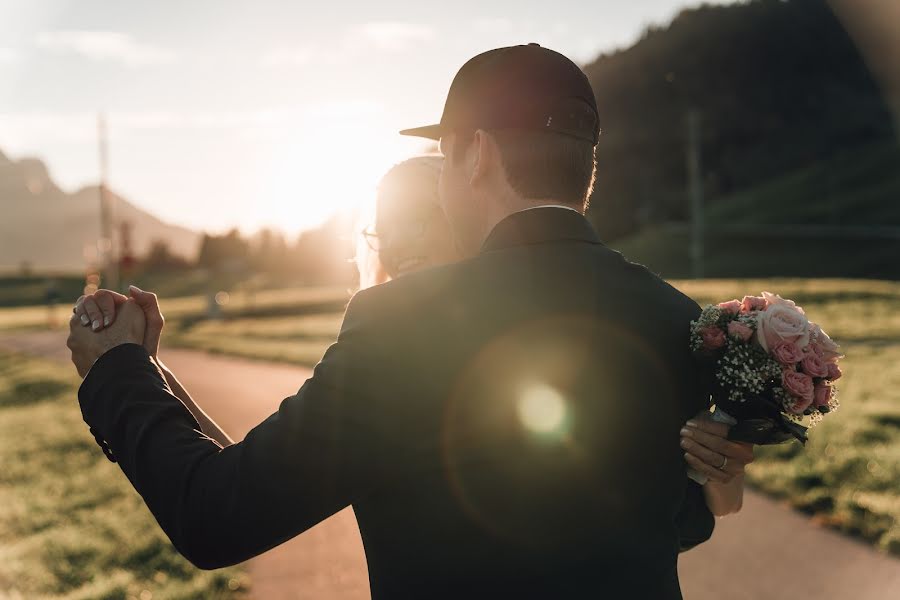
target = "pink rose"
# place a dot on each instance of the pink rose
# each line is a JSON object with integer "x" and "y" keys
{"x": 798, "y": 385}
{"x": 732, "y": 307}
{"x": 821, "y": 394}
{"x": 713, "y": 337}
{"x": 813, "y": 365}
{"x": 823, "y": 345}
{"x": 751, "y": 303}
{"x": 739, "y": 331}
{"x": 781, "y": 321}
{"x": 834, "y": 371}
{"x": 787, "y": 353}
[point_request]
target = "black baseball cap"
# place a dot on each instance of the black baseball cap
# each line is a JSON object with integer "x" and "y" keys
{"x": 518, "y": 87}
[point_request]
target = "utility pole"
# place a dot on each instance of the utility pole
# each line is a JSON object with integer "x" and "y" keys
{"x": 695, "y": 192}
{"x": 106, "y": 253}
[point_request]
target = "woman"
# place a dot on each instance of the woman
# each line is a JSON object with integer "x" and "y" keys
{"x": 409, "y": 232}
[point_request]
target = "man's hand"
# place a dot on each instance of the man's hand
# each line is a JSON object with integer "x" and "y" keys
{"x": 707, "y": 449}
{"x": 87, "y": 346}
{"x": 98, "y": 310}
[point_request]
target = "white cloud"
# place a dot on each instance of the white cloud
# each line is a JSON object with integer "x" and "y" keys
{"x": 586, "y": 51}
{"x": 105, "y": 46}
{"x": 81, "y": 127}
{"x": 354, "y": 42}
{"x": 8, "y": 56}
{"x": 284, "y": 56}
{"x": 492, "y": 25}
{"x": 393, "y": 36}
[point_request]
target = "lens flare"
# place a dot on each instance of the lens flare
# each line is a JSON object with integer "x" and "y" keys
{"x": 542, "y": 409}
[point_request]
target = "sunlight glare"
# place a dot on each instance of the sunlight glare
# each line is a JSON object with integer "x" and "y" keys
{"x": 329, "y": 167}
{"x": 542, "y": 409}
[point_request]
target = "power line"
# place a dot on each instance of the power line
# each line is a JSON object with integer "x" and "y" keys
{"x": 105, "y": 247}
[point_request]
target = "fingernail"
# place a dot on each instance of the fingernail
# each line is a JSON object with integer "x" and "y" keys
{"x": 85, "y": 320}
{"x": 136, "y": 289}
{"x": 686, "y": 432}
{"x": 692, "y": 423}
{"x": 96, "y": 325}
{"x": 106, "y": 321}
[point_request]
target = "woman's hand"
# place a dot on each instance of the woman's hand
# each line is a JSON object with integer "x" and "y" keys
{"x": 98, "y": 310}
{"x": 708, "y": 449}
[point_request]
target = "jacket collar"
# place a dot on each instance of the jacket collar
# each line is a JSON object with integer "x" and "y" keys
{"x": 539, "y": 225}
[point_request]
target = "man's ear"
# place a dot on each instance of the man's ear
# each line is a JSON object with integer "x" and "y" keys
{"x": 484, "y": 158}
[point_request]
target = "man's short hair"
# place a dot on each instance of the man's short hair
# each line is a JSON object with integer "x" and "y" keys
{"x": 542, "y": 165}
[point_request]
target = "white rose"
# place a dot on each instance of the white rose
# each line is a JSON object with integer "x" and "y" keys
{"x": 782, "y": 321}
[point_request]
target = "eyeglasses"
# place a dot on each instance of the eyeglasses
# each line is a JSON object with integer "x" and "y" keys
{"x": 410, "y": 230}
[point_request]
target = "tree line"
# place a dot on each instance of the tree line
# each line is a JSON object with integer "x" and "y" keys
{"x": 318, "y": 256}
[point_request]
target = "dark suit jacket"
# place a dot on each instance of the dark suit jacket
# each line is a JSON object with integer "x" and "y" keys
{"x": 503, "y": 427}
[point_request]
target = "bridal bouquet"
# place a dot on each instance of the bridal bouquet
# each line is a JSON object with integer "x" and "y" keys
{"x": 774, "y": 370}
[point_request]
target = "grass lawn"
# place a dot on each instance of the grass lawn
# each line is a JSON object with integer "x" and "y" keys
{"x": 857, "y": 188}
{"x": 296, "y": 340}
{"x": 71, "y": 526}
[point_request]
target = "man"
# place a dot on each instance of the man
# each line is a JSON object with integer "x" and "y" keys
{"x": 507, "y": 426}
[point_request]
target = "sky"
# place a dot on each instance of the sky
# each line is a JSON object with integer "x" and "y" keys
{"x": 258, "y": 113}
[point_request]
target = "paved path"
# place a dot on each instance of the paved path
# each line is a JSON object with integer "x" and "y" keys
{"x": 749, "y": 557}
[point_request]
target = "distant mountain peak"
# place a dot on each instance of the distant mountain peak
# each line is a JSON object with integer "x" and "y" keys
{"x": 51, "y": 229}
{"x": 34, "y": 169}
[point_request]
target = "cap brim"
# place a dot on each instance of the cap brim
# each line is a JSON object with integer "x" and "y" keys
{"x": 432, "y": 132}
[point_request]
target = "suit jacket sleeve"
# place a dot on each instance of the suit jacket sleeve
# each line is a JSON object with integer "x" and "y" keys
{"x": 695, "y": 521}
{"x": 220, "y": 506}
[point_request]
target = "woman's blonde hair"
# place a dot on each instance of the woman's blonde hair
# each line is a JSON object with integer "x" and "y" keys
{"x": 419, "y": 174}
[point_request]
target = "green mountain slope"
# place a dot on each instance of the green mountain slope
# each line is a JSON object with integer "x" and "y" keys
{"x": 858, "y": 187}
{"x": 779, "y": 86}
{"x": 852, "y": 201}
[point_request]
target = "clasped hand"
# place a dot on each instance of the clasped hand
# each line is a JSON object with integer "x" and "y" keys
{"x": 105, "y": 319}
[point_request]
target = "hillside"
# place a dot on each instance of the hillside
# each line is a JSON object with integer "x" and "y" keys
{"x": 847, "y": 196}
{"x": 779, "y": 86}
{"x": 49, "y": 228}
